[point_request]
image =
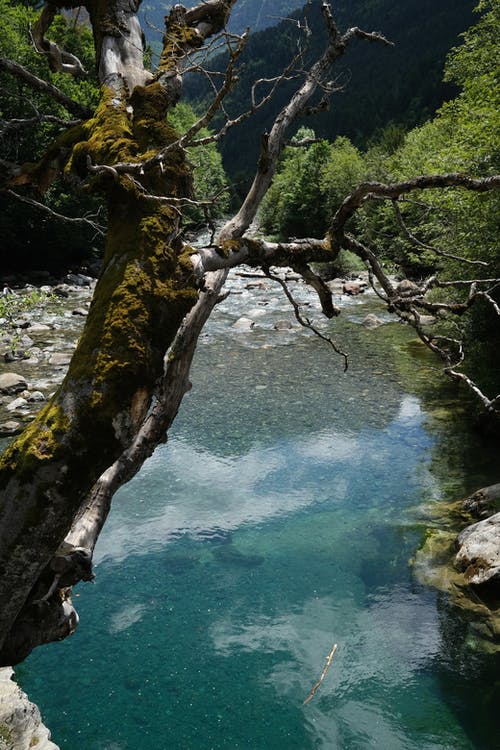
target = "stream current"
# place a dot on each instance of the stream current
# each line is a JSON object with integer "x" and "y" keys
{"x": 280, "y": 519}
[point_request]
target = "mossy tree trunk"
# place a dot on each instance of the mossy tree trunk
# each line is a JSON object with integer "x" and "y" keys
{"x": 145, "y": 290}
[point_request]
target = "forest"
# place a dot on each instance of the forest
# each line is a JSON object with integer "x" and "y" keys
{"x": 357, "y": 144}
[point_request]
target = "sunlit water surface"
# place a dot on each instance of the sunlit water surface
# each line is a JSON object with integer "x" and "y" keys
{"x": 279, "y": 520}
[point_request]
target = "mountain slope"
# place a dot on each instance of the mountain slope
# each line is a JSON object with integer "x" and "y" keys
{"x": 254, "y": 14}
{"x": 402, "y": 84}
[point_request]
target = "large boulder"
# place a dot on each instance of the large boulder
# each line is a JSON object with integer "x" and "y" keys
{"x": 479, "y": 552}
{"x": 21, "y": 726}
{"x": 11, "y": 382}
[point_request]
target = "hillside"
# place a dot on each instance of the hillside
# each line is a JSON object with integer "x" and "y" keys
{"x": 401, "y": 84}
{"x": 253, "y": 14}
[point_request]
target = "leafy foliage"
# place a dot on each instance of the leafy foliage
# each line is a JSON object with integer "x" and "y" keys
{"x": 310, "y": 184}
{"x": 31, "y": 237}
{"x": 209, "y": 177}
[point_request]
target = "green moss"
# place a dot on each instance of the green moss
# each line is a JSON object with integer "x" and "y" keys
{"x": 39, "y": 443}
{"x": 179, "y": 37}
{"x": 5, "y": 732}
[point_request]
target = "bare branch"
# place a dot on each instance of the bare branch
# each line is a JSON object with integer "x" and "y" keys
{"x": 79, "y": 220}
{"x": 418, "y": 243}
{"x": 38, "y": 84}
{"x": 228, "y": 253}
{"x": 304, "y": 321}
{"x": 59, "y": 60}
{"x": 273, "y": 143}
{"x": 368, "y": 190}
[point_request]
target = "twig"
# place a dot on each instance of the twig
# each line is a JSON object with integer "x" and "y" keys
{"x": 323, "y": 675}
{"x": 305, "y": 322}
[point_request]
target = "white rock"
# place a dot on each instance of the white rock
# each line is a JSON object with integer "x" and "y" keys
{"x": 60, "y": 358}
{"x": 20, "y": 720}
{"x": 18, "y": 403}
{"x": 38, "y": 328}
{"x": 11, "y": 382}
{"x": 243, "y": 324}
{"x": 36, "y": 396}
{"x": 10, "y": 427}
{"x": 479, "y": 551}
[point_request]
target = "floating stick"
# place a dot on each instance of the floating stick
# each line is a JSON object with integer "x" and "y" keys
{"x": 323, "y": 675}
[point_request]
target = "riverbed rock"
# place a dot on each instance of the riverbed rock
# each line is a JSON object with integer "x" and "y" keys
{"x": 21, "y": 726}
{"x": 479, "y": 552}
{"x": 257, "y": 284}
{"x": 38, "y": 328}
{"x": 243, "y": 324}
{"x": 407, "y": 287}
{"x": 79, "y": 279}
{"x": 371, "y": 321}
{"x": 17, "y": 404}
{"x": 61, "y": 290}
{"x": 11, "y": 427}
{"x": 36, "y": 396}
{"x": 60, "y": 359}
{"x": 11, "y": 382}
{"x": 80, "y": 311}
{"x": 282, "y": 325}
{"x": 353, "y": 288}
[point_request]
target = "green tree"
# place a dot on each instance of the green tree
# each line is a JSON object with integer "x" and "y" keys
{"x": 310, "y": 183}
{"x": 210, "y": 181}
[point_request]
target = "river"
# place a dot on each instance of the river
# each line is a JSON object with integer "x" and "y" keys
{"x": 280, "y": 519}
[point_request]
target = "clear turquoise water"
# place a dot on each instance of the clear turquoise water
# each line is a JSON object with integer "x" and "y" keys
{"x": 279, "y": 520}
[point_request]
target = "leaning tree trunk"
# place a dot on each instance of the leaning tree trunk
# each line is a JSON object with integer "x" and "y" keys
{"x": 145, "y": 289}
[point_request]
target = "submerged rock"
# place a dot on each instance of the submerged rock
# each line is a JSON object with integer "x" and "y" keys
{"x": 371, "y": 321}
{"x": 282, "y": 325}
{"x": 21, "y": 726}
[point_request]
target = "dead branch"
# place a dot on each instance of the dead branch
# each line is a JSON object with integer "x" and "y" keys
{"x": 24, "y": 75}
{"x": 322, "y": 676}
{"x": 423, "y": 245}
{"x": 272, "y": 144}
{"x": 78, "y": 220}
{"x": 304, "y": 321}
{"x": 59, "y": 60}
{"x": 369, "y": 190}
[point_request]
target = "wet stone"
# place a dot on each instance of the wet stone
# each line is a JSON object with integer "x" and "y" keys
{"x": 11, "y": 382}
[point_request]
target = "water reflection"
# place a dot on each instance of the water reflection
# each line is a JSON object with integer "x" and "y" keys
{"x": 278, "y": 520}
